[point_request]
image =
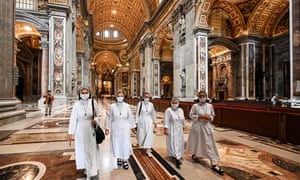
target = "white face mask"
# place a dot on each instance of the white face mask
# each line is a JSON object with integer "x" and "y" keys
{"x": 120, "y": 99}
{"x": 84, "y": 96}
{"x": 146, "y": 100}
{"x": 174, "y": 106}
{"x": 202, "y": 100}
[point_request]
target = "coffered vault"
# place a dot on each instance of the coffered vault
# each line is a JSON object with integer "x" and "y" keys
{"x": 126, "y": 17}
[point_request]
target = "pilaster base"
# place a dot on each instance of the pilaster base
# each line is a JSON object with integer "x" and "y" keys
{"x": 9, "y": 112}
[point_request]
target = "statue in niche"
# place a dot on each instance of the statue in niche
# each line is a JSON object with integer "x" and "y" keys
{"x": 183, "y": 78}
{"x": 182, "y": 25}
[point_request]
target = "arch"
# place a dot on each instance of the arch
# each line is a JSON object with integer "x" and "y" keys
{"x": 24, "y": 29}
{"x": 235, "y": 16}
{"x": 28, "y": 18}
{"x": 106, "y": 60}
{"x": 162, "y": 34}
{"x": 203, "y": 12}
{"x": 265, "y": 15}
{"x": 284, "y": 13}
{"x": 224, "y": 42}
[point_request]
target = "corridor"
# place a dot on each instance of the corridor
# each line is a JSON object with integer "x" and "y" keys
{"x": 36, "y": 148}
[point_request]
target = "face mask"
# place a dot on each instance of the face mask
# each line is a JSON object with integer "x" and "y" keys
{"x": 120, "y": 99}
{"x": 84, "y": 96}
{"x": 146, "y": 100}
{"x": 174, "y": 106}
{"x": 202, "y": 100}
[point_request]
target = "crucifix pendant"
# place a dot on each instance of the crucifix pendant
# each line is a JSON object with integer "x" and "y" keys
{"x": 120, "y": 113}
{"x": 85, "y": 114}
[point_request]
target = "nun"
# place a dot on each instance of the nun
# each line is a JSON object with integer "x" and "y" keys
{"x": 87, "y": 155}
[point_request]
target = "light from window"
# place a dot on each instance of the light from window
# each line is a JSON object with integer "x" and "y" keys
{"x": 110, "y": 35}
{"x": 106, "y": 34}
{"x": 24, "y": 4}
{"x": 116, "y": 34}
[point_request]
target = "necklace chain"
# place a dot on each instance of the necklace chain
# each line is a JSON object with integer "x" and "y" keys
{"x": 120, "y": 107}
{"x": 85, "y": 108}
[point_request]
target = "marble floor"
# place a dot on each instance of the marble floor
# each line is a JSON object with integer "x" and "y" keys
{"x": 36, "y": 148}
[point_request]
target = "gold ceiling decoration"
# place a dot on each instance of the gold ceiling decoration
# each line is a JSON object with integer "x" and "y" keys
{"x": 28, "y": 34}
{"x": 23, "y": 30}
{"x": 106, "y": 61}
{"x": 125, "y": 16}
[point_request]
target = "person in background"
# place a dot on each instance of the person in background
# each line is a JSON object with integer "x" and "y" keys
{"x": 274, "y": 100}
{"x": 49, "y": 98}
{"x": 173, "y": 129}
{"x": 118, "y": 123}
{"x": 201, "y": 141}
{"x": 82, "y": 131}
{"x": 146, "y": 119}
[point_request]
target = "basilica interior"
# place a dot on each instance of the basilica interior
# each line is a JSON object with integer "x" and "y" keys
{"x": 243, "y": 53}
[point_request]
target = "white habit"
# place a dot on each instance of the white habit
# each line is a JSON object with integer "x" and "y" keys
{"x": 145, "y": 117}
{"x": 86, "y": 149}
{"x": 201, "y": 141}
{"x": 174, "y": 122}
{"x": 120, "y": 122}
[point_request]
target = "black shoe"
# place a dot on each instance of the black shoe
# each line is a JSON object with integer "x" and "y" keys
{"x": 178, "y": 163}
{"x": 194, "y": 157}
{"x": 217, "y": 169}
{"x": 125, "y": 165}
{"x": 119, "y": 162}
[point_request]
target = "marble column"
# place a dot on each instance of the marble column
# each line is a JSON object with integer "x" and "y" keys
{"x": 247, "y": 71}
{"x": 156, "y": 78}
{"x": 57, "y": 55}
{"x": 134, "y": 84}
{"x": 142, "y": 67}
{"x": 148, "y": 66}
{"x": 230, "y": 85}
{"x": 243, "y": 74}
{"x": 214, "y": 77}
{"x": 9, "y": 111}
{"x": 45, "y": 64}
{"x": 201, "y": 63}
{"x": 295, "y": 52}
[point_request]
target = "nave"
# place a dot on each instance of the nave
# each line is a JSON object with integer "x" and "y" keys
{"x": 36, "y": 148}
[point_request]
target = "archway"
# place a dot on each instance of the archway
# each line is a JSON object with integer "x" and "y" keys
{"x": 28, "y": 61}
{"x": 106, "y": 66}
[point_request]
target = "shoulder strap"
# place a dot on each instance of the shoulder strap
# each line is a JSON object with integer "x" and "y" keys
{"x": 140, "y": 108}
{"x": 93, "y": 107}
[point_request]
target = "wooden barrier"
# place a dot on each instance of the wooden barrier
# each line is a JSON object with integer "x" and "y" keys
{"x": 281, "y": 123}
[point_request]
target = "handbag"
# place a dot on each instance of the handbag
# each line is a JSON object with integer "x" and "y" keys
{"x": 100, "y": 136}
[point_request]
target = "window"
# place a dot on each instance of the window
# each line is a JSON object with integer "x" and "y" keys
{"x": 110, "y": 35}
{"x": 25, "y": 4}
{"x": 106, "y": 34}
{"x": 116, "y": 34}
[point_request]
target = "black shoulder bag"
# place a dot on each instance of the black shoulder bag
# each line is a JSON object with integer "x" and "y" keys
{"x": 100, "y": 136}
{"x": 140, "y": 108}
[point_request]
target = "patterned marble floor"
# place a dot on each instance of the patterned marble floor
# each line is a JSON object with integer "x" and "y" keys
{"x": 36, "y": 148}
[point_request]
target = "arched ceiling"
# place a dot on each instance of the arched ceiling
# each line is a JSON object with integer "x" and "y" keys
{"x": 27, "y": 33}
{"x": 125, "y": 16}
{"x": 106, "y": 61}
{"x": 253, "y": 17}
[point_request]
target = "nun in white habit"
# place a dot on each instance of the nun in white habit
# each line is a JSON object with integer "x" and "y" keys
{"x": 81, "y": 123}
{"x": 146, "y": 121}
{"x": 173, "y": 129}
{"x": 201, "y": 141}
{"x": 118, "y": 123}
